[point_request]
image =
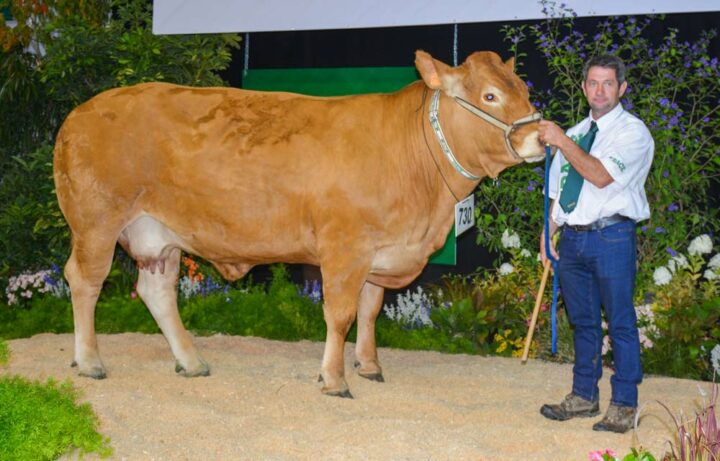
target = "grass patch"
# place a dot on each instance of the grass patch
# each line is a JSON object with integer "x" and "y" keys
{"x": 43, "y": 421}
{"x": 4, "y": 353}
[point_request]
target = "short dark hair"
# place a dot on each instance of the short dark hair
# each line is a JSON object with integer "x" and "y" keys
{"x": 608, "y": 61}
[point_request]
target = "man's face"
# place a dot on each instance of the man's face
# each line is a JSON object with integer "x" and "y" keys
{"x": 602, "y": 90}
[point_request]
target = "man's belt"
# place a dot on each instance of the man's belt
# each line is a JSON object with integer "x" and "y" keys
{"x": 599, "y": 224}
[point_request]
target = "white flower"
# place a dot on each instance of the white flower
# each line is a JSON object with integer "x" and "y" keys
{"x": 700, "y": 245}
{"x": 715, "y": 359}
{"x": 710, "y": 274}
{"x": 188, "y": 287}
{"x": 714, "y": 262}
{"x": 506, "y": 268}
{"x": 679, "y": 261}
{"x": 525, "y": 253}
{"x": 645, "y": 311}
{"x": 510, "y": 240}
{"x": 606, "y": 347}
{"x": 412, "y": 309}
{"x": 662, "y": 276}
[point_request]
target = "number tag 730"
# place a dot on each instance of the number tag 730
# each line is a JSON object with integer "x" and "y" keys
{"x": 464, "y": 214}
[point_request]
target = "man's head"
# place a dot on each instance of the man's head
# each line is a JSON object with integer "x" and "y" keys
{"x": 603, "y": 83}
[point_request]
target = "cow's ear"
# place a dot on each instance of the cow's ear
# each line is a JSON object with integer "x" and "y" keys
{"x": 431, "y": 70}
{"x": 510, "y": 63}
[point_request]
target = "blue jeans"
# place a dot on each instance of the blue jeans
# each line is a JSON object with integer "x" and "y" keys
{"x": 597, "y": 268}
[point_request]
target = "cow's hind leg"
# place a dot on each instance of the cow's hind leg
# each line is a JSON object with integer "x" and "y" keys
{"x": 341, "y": 289}
{"x": 369, "y": 306}
{"x": 85, "y": 271}
{"x": 157, "y": 281}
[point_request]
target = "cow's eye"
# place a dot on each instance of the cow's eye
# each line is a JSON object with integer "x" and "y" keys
{"x": 489, "y": 97}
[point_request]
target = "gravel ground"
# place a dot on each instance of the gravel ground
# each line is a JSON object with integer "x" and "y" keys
{"x": 263, "y": 402}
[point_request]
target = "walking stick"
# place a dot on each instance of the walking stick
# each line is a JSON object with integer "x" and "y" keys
{"x": 536, "y": 310}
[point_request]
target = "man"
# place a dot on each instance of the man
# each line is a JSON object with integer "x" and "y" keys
{"x": 597, "y": 183}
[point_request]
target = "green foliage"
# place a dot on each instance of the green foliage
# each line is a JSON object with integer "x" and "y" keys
{"x": 392, "y": 334}
{"x": 679, "y": 107}
{"x": 275, "y": 312}
{"x": 278, "y": 312}
{"x": 83, "y": 59}
{"x": 89, "y": 47}
{"x": 34, "y": 232}
{"x": 4, "y": 353}
{"x": 43, "y": 421}
{"x": 686, "y": 313}
{"x": 686, "y": 335}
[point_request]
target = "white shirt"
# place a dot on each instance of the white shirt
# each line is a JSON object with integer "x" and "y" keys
{"x": 625, "y": 147}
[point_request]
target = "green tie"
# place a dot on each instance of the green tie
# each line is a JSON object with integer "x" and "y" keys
{"x": 573, "y": 182}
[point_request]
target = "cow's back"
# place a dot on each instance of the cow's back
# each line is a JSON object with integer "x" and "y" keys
{"x": 237, "y": 174}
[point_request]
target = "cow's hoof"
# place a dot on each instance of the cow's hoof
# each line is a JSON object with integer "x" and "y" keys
{"x": 96, "y": 372}
{"x": 374, "y": 375}
{"x": 202, "y": 370}
{"x": 378, "y": 377}
{"x": 344, "y": 394}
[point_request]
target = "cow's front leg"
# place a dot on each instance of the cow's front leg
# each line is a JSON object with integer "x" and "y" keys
{"x": 157, "y": 288}
{"x": 369, "y": 306}
{"x": 341, "y": 289}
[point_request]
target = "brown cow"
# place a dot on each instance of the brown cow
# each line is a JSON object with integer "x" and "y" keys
{"x": 359, "y": 186}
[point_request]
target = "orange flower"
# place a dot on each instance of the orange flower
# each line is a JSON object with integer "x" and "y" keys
{"x": 192, "y": 269}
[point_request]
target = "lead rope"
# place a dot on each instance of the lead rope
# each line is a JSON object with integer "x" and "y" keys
{"x": 553, "y": 260}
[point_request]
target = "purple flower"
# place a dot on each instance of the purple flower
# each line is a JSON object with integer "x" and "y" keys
{"x": 706, "y": 119}
{"x": 643, "y": 228}
{"x": 666, "y": 174}
{"x": 49, "y": 281}
{"x": 659, "y": 230}
{"x": 673, "y": 207}
{"x": 664, "y": 102}
{"x": 531, "y": 186}
{"x": 529, "y": 84}
{"x": 671, "y": 252}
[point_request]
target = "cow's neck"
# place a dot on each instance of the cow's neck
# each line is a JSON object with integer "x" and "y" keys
{"x": 444, "y": 184}
{"x": 452, "y": 186}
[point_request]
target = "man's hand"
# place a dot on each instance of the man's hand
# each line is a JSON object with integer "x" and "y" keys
{"x": 553, "y": 251}
{"x": 551, "y": 134}
{"x": 552, "y": 228}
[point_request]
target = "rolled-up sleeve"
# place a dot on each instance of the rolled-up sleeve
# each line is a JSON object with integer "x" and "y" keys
{"x": 629, "y": 154}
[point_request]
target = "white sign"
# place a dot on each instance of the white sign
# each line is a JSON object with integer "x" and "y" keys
{"x": 464, "y": 214}
{"x": 212, "y": 16}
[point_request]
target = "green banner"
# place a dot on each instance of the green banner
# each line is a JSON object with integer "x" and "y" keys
{"x": 339, "y": 82}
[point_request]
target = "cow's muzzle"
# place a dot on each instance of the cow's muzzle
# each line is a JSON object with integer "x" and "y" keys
{"x": 507, "y": 129}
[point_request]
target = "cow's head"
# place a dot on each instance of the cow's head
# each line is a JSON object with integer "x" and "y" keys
{"x": 489, "y": 117}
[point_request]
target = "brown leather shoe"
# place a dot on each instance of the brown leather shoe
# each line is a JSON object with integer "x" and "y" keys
{"x": 573, "y": 406}
{"x": 618, "y": 419}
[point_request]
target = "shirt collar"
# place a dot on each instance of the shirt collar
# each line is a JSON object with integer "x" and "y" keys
{"x": 607, "y": 119}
